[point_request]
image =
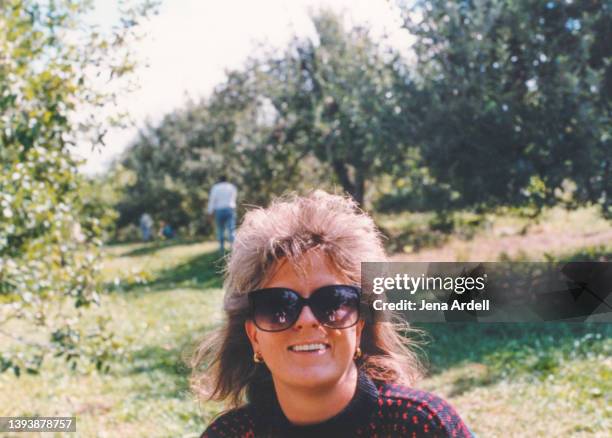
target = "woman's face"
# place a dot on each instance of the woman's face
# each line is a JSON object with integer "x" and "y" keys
{"x": 306, "y": 369}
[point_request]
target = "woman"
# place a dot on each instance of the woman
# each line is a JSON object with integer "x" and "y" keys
{"x": 297, "y": 345}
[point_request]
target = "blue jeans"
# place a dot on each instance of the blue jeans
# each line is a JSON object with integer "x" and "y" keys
{"x": 225, "y": 218}
{"x": 146, "y": 233}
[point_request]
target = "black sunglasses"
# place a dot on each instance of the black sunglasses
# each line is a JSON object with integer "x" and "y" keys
{"x": 278, "y": 308}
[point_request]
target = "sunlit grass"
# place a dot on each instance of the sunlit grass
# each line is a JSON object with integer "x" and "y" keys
{"x": 504, "y": 379}
{"x": 505, "y": 234}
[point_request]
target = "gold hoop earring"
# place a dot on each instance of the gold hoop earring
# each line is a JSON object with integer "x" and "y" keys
{"x": 357, "y": 354}
{"x": 257, "y": 358}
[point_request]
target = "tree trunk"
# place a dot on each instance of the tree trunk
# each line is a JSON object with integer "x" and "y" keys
{"x": 357, "y": 188}
{"x": 342, "y": 173}
{"x": 359, "y": 192}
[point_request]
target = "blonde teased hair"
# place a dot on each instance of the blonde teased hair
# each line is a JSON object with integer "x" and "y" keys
{"x": 222, "y": 365}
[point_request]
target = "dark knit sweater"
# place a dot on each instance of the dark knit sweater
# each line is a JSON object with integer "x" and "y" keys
{"x": 385, "y": 411}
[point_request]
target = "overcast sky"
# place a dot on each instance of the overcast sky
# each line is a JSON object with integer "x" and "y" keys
{"x": 191, "y": 43}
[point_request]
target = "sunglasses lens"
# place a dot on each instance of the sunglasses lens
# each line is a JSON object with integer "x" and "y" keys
{"x": 275, "y": 309}
{"x": 336, "y": 306}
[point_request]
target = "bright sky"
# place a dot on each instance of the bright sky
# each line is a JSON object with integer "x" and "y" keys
{"x": 192, "y": 42}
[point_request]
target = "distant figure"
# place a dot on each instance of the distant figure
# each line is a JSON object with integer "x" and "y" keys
{"x": 222, "y": 204}
{"x": 146, "y": 224}
{"x": 165, "y": 230}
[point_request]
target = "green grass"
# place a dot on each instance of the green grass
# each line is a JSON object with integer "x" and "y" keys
{"x": 504, "y": 379}
{"x": 542, "y": 380}
{"x": 157, "y": 320}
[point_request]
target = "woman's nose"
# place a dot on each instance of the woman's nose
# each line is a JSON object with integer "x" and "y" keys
{"x": 306, "y": 318}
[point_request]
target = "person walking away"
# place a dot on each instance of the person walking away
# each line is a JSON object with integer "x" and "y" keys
{"x": 146, "y": 223}
{"x": 222, "y": 205}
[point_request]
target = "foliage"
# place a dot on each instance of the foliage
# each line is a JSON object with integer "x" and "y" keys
{"x": 325, "y": 111}
{"x": 518, "y": 98}
{"x": 491, "y": 114}
{"x": 49, "y": 229}
{"x": 99, "y": 196}
{"x": 347, "y": 102}
{"x": 476, "y": 104}
{"x": 175, "y": 163}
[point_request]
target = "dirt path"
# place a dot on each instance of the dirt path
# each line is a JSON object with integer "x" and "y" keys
{"x": 531, "y": 246}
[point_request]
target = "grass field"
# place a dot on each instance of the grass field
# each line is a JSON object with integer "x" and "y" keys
{"x": 524, "y": 380}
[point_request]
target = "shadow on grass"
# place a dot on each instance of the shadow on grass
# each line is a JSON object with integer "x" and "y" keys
{"x": 599, "y": 253}
{"x": 204, "y": 271}
{"x": 472, "y": 376}
{"x": 415, "y": 236}
{"x": 168, "y": 363}
{"x": 159, "y": 358}
{"x": 157, "y": 245}
{"x": 492, "y": 352}
{"x": 166, "y": 368}
{"x": 416, "y": 241}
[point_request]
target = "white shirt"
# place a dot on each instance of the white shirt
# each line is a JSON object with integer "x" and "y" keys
{"x": 222, "y": 195}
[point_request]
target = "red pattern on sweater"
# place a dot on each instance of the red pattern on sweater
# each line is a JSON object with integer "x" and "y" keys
{"x": 387, "y": 411}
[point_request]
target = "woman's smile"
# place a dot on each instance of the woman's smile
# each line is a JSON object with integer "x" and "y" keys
{"x": 310, "y": 347}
